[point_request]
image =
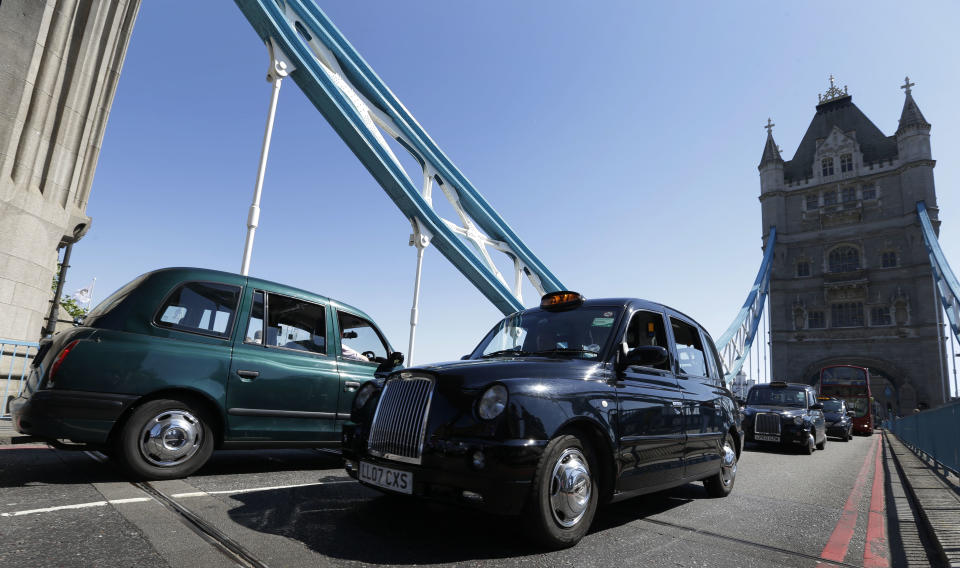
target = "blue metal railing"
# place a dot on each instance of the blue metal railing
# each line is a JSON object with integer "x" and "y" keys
{"x": 933, "y": 432}
{"x": 15, "y": 358}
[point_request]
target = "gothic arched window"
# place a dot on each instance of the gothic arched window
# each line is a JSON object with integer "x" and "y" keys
{"x": 844, "y": 259}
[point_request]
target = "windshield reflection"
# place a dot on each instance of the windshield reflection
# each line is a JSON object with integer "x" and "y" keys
{"x": 579, "y": 333}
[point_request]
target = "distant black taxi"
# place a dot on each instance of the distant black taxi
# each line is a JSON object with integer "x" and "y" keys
{"x": 787, "y": 414}
{"x": 838, "y": 416}
{"x": 557, "y": 409}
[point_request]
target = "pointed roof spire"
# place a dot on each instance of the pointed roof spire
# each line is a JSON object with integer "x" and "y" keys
{"x": 771, "y": 152}
{"x": 911, "y": 115}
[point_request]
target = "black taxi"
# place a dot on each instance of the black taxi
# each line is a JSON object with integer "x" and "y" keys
{"x": 788, "y": 414}
{"x": 559, "y": 408}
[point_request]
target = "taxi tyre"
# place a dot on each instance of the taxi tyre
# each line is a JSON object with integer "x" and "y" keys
{"x": 821, "y": 445}
{"x": 809, "y": 446}
{"x": 721, "y": 483}
{"x": 566, "y": 454}
{"x": 135, "y": 438}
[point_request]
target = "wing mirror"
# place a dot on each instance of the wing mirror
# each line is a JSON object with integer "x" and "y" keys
{"x": 645, "y": 356}
{"x": 349, "y": 335}
{"x": 392, "y": 361}
{"x": 851, "y": 413}
{"x": 816, "y": 406}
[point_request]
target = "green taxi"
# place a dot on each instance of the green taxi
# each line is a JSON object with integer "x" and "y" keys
{"x": 182, "y": 361}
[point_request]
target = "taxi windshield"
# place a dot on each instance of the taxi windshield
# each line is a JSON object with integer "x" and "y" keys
{"x": 778, "y": 397}
{"x": 578, "y": 333}
{"x": 832, "y": 406}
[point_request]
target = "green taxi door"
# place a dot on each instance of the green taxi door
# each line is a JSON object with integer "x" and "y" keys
{"x": 360, "y": 349}
{"x": 284, "y": 384}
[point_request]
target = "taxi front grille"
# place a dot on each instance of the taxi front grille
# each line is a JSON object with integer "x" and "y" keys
{"x": 399, "y": 424}
{"x": 767, "y": 423}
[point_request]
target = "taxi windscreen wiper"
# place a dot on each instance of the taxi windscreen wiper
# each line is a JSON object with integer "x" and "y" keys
{"x": 505, "y": 352}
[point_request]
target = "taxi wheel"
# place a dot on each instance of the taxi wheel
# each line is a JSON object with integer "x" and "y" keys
{"x": 822, "y": 445}
{"x": 165, "y": 439}
{"x": 721, "y": 483}
{"x": 848, "y": 436}
{"x": 563, "y": 499}
{"x": 810, "y": 444}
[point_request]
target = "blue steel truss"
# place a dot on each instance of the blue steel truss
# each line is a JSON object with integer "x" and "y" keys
{"x": 947, "y": 284}
{"x": 362, "y": 110}
{"x": 735, "y": 343}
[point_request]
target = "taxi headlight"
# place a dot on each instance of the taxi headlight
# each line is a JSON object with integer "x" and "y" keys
{"x": 798, "y": 420}
{"x": 492, "y": 403}
{"x": 363, "y": 395}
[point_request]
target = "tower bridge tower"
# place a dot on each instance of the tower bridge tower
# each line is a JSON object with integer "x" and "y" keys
{"x": 59, "y": 65}
{"x": 851, "y": 281}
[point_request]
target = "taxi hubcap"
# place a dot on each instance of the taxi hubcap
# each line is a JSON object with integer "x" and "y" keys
{"x": 570, "y": 488}
{"x": 728, "y": 468}
{"x": 171, "y": 438}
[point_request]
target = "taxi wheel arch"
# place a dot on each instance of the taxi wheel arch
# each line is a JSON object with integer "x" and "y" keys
{"x": 555, "y": 520}
{"x": 128, "y": 444}
{"x": 603, "y": 454}
{"x": 187, "y": 396}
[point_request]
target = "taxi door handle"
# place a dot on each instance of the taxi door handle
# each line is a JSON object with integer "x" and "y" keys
{"x": 248, "y": 375}
{"x": 350, "y": 386}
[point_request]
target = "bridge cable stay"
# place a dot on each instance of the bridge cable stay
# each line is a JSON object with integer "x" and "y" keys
{"x": 364, "y": 113}
{"x": 945, "y": 281}
{"x": 736, "y": 341}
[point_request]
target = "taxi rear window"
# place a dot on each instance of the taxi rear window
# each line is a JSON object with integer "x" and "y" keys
{"x": 207, "y": 308}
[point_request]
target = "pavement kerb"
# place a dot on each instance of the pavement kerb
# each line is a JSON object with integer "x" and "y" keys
{"x": 938, "y": 503}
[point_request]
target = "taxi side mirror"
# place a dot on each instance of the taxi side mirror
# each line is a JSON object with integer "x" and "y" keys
{"x": 816, "y": 406}
{"x": 851, "y": 413}
{"x": 646, "y": 356}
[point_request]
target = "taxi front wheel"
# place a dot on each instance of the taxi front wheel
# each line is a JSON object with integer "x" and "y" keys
{"x": 563, "y": 498}
{"x": 165, "y": 439}
{"x": 721, "y": 483}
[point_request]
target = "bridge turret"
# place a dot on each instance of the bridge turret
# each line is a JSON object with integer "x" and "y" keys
{"x": 913, "y": 147}
{"x": 771, "y": 182}
{"x": 913, "y": 134}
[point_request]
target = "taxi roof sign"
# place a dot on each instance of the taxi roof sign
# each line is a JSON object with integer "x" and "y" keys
{"x": 561, "y": 300}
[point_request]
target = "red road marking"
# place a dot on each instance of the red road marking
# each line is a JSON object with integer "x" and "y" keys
{"x": 836, "y": 548}
{"x": 876, "y": 553}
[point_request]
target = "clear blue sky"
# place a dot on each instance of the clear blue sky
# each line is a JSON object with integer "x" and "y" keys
{"x": 619, "y": 139}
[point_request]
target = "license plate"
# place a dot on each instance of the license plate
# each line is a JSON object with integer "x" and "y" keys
{"x": 766, "y": 438}
{"x": 392, "y": 479}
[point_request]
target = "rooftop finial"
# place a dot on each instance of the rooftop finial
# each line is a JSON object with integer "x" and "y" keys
{"x": 907, "y": 84}
{"x": 769, "y": 125}
{"x": 832, "y": 93}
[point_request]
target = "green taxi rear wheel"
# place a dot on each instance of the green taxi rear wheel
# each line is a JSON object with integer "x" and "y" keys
{"x": 165, "y": 439}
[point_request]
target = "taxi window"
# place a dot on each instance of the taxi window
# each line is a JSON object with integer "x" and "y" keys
{"x": 646, "y": 328}
{"x": 290, "y": 324}
{"x": 359, "y": 340}
{"x": 690, "y": 354}
{"x": 200, "y": 307}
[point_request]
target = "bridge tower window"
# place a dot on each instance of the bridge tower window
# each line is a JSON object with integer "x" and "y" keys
{"x": 816, "y": 320}
{"x": 846, "y": 163}
{"x": 844, "y": 259}
{"x": 880, "y": 316}
{"x": 847, "y": 314}
{"x": 812, "y": 202}
{"x": 803, "y": 268}
{"x": 849, "y": 194}
{"x": 869, "y": 192}
{"x": 830, "y": 198}
{"x": 888, "y": 259}
{"x": 826, "y": 165}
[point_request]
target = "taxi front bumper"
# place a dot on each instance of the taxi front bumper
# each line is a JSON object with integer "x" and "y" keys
{"x": 492, "y": 476}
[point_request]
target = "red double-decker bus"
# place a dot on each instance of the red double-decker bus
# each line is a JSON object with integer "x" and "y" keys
{"x": 851, "y": 384}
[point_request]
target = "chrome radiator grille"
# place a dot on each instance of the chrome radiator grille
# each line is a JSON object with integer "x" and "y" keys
{"x": 767, "y": 423}
{"x": 400, "y": 422}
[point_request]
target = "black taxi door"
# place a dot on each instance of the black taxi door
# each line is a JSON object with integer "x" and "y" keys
{"x": 650, "y": 412}
{"x": 698, "y": 379}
